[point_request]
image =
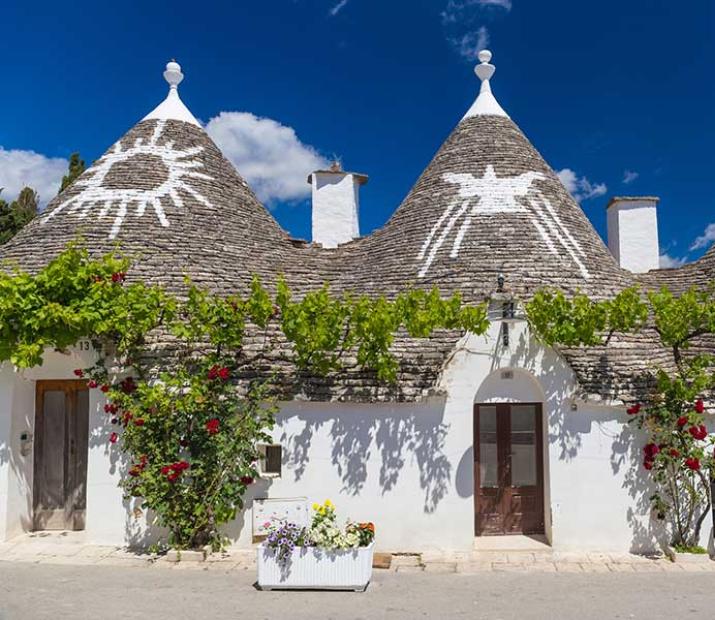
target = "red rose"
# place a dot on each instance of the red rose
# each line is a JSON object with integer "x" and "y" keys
{"x": 634, "y": 409}
{"x": 115, "y": 420}
{"x": 700, "y": 406}
{"x": 212, "y": 426}
{"x": 110, "y": 408}
{"x": 698, "y": 432}
{"x": 682, "y": 421}
{"x": 213, "y": 373}
{"x": 134, "y": 471}
{"x": 224, "y": 374}
{"x": 128, "y": 386}
{"x": 165, "y": 470}
{"x": 650, "y": 450}
{"x": 247, "y": 480}
{"x": 692, "y": 463}
{"x": 113, "y": 438}
{"x": 183, "y": 443}
{"x": 173, "y": 476}
{"x": 674, "y": 453}
{"x": 92, "y": 384}
{"x": 183, "y": 465}
{"x": 105, "y": 388}
{"x": 79, "y": 373}
{"x": 139, "y": 421}
{"x": 648, "y": 465}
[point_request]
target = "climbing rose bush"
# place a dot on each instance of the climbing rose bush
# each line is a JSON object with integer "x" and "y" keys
{"x": 678, "y": 456}
{"x": 191, "y": 443}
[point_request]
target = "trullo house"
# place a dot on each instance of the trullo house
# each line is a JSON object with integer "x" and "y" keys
{"x": 488, "y": 435}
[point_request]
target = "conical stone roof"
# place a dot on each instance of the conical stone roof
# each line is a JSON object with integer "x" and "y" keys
{"x": 165, "y": 195}
{"x": 488, "y": 204}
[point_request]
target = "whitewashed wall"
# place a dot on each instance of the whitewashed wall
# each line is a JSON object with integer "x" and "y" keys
{"x": 407, "y": 467}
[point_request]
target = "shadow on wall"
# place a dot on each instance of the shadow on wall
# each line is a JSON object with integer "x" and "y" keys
{"x": 555, "y": 380}
{"x": 416, "y": 435}
{"x": 649, "y": 532}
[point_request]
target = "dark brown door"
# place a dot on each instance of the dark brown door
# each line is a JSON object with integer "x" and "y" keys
{"x": 508, "y": 469}
{"x": 61, "y": 433}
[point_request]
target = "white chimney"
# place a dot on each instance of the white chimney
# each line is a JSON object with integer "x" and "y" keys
{"x": 336, "y": 204}
{"x": 633, "y": 232}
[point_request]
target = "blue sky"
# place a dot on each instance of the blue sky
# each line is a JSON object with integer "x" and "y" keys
{"x": 618, "y": 93}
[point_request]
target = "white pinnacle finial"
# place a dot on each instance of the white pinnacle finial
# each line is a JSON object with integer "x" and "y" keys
{"x": 172, "y": 108}
{"x": 173, "y": 73}
{"x": 486, "y": 104}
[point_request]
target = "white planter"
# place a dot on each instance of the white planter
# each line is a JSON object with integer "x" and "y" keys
{"x": 687, "y": 558}
{"x": 314, "y": 568}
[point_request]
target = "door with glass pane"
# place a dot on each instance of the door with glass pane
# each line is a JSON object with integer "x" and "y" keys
{"x": 508, "y": 469}
{"x": 61, "y": 439}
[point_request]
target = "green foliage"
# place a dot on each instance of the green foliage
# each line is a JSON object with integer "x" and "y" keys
{"x": 74, "y": 297}
{"x": 580, "y": 321}
{"x": 76, "y": 168}
{"x": 679, "y": 319}
{"x": 18, "y": 213}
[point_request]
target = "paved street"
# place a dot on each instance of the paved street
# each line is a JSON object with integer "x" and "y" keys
{"x": 43, "y": 591}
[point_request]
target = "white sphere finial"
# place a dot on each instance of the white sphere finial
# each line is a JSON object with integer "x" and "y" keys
{"x": 173, "y": 74}
{"x": 485, "y": 70}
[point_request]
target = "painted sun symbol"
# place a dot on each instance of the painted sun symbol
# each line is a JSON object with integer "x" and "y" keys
{"x": 109, "y": 190}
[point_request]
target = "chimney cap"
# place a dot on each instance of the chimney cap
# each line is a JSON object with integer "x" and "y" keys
{"x": 617, "y": 199}
{"x": 337, "y": 170}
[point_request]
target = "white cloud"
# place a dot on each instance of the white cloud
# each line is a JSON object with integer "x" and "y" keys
{"x": 338, "y": 7}
{"x": 580, "y": 187}
{"x": 464, "y": 23}
{"x": 470, "y": 44}
{"x": 271, "y": 158}
{"x": 629, "y": 176}
{"x": 20, "y": 168}
{"x": 705, "y": 239}
{"x": 671, "y": 262}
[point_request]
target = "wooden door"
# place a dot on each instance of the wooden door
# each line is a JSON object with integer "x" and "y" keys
{"x": 61, "y": 440}
{"x": 508, "y": 469}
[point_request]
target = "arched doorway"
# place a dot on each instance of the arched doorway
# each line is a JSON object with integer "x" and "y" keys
{"x": 509, "y": 455}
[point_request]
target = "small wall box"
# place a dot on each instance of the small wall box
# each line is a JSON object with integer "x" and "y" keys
{"x": 265, "y": 511}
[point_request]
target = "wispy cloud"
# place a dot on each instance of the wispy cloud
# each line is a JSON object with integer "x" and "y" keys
{"x": 671, "y": 262}
{"x": 629, "y": 176}
{"x": 269, "y": 155}
{"x": 465, "y": 23}
{"x": 705, "y": 239}
{"x": 338, "y": 7}
{"x": 581, "y": 188}
{"x": 19, "y": 168}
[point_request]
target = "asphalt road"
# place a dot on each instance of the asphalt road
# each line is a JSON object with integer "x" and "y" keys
{"x": 34, "y": 592}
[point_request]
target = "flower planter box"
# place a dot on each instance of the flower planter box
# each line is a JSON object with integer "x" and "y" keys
{"x": 689, "y": 558}
{"x": 314, "y": 568}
